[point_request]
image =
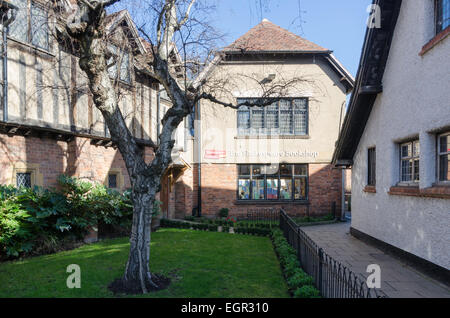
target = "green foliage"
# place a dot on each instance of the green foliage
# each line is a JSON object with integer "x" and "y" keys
{"x": 223, "y": 213}
{"x": 296, "y": 278}
{"x": 212, "y": 225}
{"x": 40, "y": 218}
{"x": 312, "y": 219}
{"x": 307, "y": 291}
{"x": 299, "y": 279}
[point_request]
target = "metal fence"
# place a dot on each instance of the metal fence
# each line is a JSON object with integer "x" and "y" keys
{"x": 332, "y": 279}
{"x": 269, "y": 215}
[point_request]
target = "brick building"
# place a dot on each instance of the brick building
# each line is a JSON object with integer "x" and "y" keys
{"x": 278, "y": 155}
{"x": 48, "y": 123}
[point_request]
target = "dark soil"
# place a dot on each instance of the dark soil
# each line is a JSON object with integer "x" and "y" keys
{"x": 133, "y": 287}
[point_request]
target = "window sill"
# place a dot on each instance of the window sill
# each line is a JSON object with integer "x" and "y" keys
{"x": 267, "y": 202}
{"x": 436, "y": 191}
{"x": 434, "y": 41}
{"x": 273, "y": 137}
{"x": 408, "y": 184}
{"x": 31, "y": 47}
{"x": 370, "y": 189}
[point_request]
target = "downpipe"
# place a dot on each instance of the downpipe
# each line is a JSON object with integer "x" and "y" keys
{"x": 5, "y": 61}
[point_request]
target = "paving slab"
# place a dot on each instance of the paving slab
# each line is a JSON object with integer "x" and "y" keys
{"x": 398, "y": 280}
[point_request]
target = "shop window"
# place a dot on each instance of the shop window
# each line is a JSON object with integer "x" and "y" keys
{"x": 284, "y": 182}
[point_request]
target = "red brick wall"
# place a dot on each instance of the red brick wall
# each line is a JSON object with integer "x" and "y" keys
{"x": 185, "y": 197}
{"x": 325, "y": 184}
{"x": 219, "y": 185}
{"x": 77, "y": 158}
{"x": 50, "y": 155}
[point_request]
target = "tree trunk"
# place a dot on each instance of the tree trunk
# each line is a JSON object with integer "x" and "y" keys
{"x": 137, "y": 272}
{"x": 145, "y": 179}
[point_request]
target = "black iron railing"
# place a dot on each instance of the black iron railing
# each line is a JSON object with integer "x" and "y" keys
{"x": 269, "y": 215}
{"x": 333, "y": 279}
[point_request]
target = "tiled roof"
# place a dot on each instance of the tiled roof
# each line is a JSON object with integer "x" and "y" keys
{"x": 269, "y": 37}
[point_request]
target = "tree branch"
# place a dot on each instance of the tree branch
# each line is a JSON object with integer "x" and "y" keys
{"x": 186, "y": 16}
{"x": 260, "y": 102}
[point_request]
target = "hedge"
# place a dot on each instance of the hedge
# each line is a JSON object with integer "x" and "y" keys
{"x": 213, "y": 226}
{"x": 300, "y": 284}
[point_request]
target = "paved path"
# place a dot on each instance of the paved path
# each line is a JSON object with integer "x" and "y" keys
{"x": 397, "y": 278}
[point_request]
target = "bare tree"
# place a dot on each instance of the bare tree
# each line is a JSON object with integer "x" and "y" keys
{"x": 173, "y": 25}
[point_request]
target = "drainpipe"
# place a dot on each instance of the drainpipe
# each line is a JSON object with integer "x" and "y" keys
{"x": 199, "y": 155}
{"x": 343, "y": 195}
{"x": 158, "y": 108}
{"x": 5, "y": 61}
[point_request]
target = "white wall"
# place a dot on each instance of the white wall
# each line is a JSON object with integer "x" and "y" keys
{"x": 415, "y": 103}
{"x": 313, "y": 79}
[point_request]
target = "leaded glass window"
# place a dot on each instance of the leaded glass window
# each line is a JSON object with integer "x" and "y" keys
{"x": 257, "y": 120}
{"x": 112, "y": 181}
{"x": 23, "y": 179}
{"x": 300, "y": 116}
{"x": 18, "y": 29}
{"x": 119, "y": 60}
{"x": 285, "y": 117}
{"x": 125, "y": 68}
{"x": 39, "y": 27}
{"x": 31, "y": 24}
{"x": 243, "y": 116}
{"x": 272, "y": 119}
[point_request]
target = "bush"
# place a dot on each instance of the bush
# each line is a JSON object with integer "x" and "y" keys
{"x": 212, "y": 228}
{"x": 307, "y": 291}
{"x": 223, "y": 213}
{"x": 299, "y": 279}
{"x": 33, "y": 220}
{"x": 296, "y": 278}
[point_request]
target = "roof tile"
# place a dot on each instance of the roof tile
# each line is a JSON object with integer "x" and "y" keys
{"x": 269, "y": 37}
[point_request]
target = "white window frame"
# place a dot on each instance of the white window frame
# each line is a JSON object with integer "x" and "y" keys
{"x": 439, "y": 154}
{"x": 413, "y": 157}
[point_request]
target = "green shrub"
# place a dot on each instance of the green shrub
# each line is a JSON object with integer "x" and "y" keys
{"x": 223, "y": 213}
{"x": 307, "y": 291}
{"x": 47, "y": 216}
{"x": 296, "y": 278}
{"x": 212, "y": 228}
{"x": 299, "y": 279}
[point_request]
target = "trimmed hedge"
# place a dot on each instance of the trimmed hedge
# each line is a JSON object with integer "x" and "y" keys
{"x": 231, "y": 223}
{"x": 213, "y": 226}
{"x": 300, "y": 284}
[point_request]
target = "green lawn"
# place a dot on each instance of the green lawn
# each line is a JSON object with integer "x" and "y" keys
{"x": 201, "y": 264}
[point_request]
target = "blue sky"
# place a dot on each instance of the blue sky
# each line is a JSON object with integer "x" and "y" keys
{"x": 338, "y": 25}
{"x": 335, "y": 25}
